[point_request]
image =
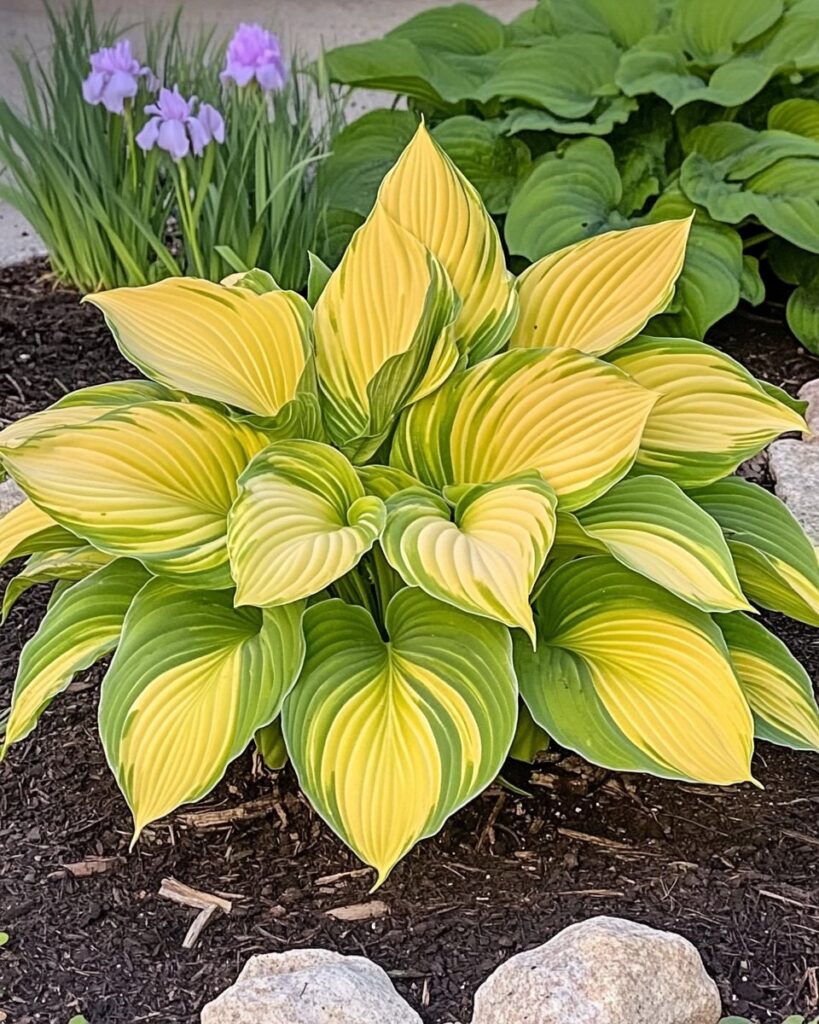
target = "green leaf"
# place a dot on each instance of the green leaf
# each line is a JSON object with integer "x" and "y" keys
{"x": 802, "y": 312}
{"x": 751, "y": 285}
{"x": 390, "y": 737}
{"x": 798, "y": 115}
{"x": 493, "y": 163}
{"x": 776, "y": 562}
{"x": 625, "y": 23}
{"x": 192, "y": 681}
{"x": 456, "y": 28}
{"x": 269, "y": 742}
{"x": 529, "y": 739}
{"x": 712, "y": 34}
{"x": 571, "y": 194}
{"x": 317, "y": 278}
{"x": 603, "y": 119}
{"x": 81, "y": 626}
{"x": 74, "y": 563}
{"x": 737, "y": 173}
{"x": 4, "y": 938}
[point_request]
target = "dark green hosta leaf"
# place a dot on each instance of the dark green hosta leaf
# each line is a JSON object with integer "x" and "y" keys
{"x": 640, "y": 152}
{"x": 771, "y": 176}
{"x": 456, "y": 28}
{"x": 606, "y": 115}
{"x": 751, "y": 285}
{"x": 571, "y": 194}
{"x": 712, "y": 32}
{"x": 626, "y": 21}
{"x": 803, "y": 314}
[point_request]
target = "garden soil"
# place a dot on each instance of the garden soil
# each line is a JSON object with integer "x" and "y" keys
{"x": 734, "y": 870}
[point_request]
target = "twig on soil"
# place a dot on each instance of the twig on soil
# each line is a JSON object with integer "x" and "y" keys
{"x": 800, "y": 836}
{"x": 230, "y": 815}
{"x": 332, "y": 879}
{"x": 204, "y": 902}
{"x": 493, "y": 817}
{"x": 84, "y": 868}
{"x": 359, "y": 911}
{"x": 786, "y": 899}
{"x": 609, "y": 844}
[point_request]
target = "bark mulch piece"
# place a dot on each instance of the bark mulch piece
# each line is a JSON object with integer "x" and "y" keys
{"x": 734, "y": 870}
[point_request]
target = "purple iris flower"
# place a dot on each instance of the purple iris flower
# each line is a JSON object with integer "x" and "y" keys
{"x": 175, "y": 128}
{"x": 115, "y": 77}
{"x": 254, "y": 53}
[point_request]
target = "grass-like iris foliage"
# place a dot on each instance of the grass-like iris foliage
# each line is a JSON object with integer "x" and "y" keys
{"x": 200, "y": 158}
{"x": 420, "y": 520}
{"x": 583, "y": 116}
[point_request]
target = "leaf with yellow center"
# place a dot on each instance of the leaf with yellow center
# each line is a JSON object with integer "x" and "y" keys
{"x": 301, "y": 520}
{"x": 633, "y": 678}
{"x": 390, "y": 738}
{"x": 711, "y": 414}
{"x": 192, "y": 680}
{"x": 381, "y": 333}
{"x": 570, "y": 417}
{"x": 598, "y": 293}
{"x": 230, "y": 344}
{"x": 26, "y": 529}
{"x": 486, "y": 560}
{"x": 81, "y": 626}
{"x": 776, "y": 686}
{"x": 427, "y": 194}
{"x": 152, "y": 482}
{"x": 71, "y": 563}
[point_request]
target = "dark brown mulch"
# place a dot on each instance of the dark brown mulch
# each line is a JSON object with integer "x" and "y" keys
{"x": 736, "y": 871}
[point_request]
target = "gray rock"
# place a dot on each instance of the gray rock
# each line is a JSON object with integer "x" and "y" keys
{"x": 604, "y": 970}
{"x": 794, "y": 467}
{"x": 310, "y": 986}
{"x": 10, "y": 496}
{"x": 810, "y": 393}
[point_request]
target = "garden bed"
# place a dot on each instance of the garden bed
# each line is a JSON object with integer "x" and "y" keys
{"x": 733, "y": 870}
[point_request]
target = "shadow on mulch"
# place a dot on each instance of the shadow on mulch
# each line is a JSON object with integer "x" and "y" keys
{"x": 736, "y": 871}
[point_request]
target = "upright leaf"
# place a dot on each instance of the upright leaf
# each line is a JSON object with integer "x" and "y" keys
{"x": 572, "y": 418}
{"x": 192, "y": 680}
{"x": 26, "y": 529}
{"x": 390, "y": 738}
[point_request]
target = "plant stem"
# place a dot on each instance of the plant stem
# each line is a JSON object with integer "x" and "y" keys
{"x": 131, "y": 146}
{"x": 762, "y": 236}
{"x": 183, "y": 194}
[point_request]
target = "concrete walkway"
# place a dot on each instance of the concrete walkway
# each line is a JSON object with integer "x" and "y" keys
{"x": 306, "y": 24}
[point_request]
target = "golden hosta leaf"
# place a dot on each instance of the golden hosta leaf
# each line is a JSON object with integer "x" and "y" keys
{"x": 81, "y": 626}
{"x": 711, "y": 414}
{"x": 301, "y": 520}
{"x": 570, "y": 417}
{"x": 634, "y": 678}
{"x": 192, "y": 680}
{"x": 72, "y": 563}
{"x": 390, "y": 738}
{"x": 486, "y": 560}
{"x": 26, "y": 529}
{"x": 598, "y": 293}
{"x": 230, "y": 344}
{"x": 776, "y": 686}
{"x": 153, "y": 482}
{"x": 381, "y": 337}
{"x": 427, "y": 194}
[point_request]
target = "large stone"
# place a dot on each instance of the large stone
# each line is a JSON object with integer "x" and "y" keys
{"x": 310, "y": 986}
{"x": 606, "y": 971}
{"x": 810, "y": 393}
{"x": 794, "y": 467}
{"x": 10, "y": 496}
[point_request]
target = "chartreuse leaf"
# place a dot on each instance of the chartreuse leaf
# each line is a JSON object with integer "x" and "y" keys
{"x": 775, "y": 685}
{"x": 625, "y": 23}
{"x": 798, "y": 115}
{"x": 269, "y": 742}
{"x": 776, "y": 562}
{"x": 230, "y": 344}
{"x": 27, "y": 529}
{"x": 317, "y": 278}
{"x": 572, "y": 418}
{"x": 711, "y": 414}
{"x": 598, "y": 293}
{"x": 711, "y": 34}
{"x": 83, "y": 406}
{"x": 385, "y": 481}
{"x": 81, "y": 626}
{"x": 529, "y": 739}
{"x": 737, "y": 173}
{"x": 381, "y": 333}
{"x": 634, "y": 678}
{"x": 192, "y": 680}
{"x": 153, "y": 482}
{"x": 74, "y": 563}
{"x": 483, "y": 552}
{"x": 389, "y": 738}
{"x": 301, "y": 520}
{"x": 428, "y": 196}
{"x": 654, "y": 528}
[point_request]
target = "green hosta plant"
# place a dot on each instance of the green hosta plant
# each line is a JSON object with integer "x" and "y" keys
{"x": 584, "y": 116}
{"x": 412, "y": 525}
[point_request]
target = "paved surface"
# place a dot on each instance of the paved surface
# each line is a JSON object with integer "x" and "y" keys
{"x": 306, "y": 24}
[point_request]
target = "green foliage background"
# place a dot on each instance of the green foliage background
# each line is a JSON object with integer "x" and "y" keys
{"x": 583, "y": 116}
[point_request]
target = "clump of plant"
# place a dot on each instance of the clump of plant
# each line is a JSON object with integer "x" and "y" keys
{"x": 429, "y": 514}
{"x": 583, "y": 116}
{"x": 132, "y": 172}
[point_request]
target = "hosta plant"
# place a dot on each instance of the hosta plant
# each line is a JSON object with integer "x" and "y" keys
{"x": 415, "y": 522}
{"x": 583, "y": 116}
